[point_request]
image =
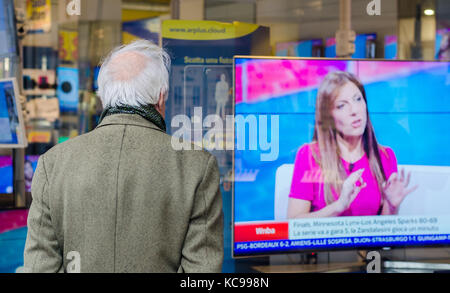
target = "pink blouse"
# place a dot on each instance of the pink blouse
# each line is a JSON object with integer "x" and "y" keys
{"x": 307, "y": 181}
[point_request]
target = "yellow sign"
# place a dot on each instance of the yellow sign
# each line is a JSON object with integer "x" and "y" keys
{"x": 205, "y": 30}
{"x": 39, "y": 15}
{"x": 68, "y": 45}
{"x": 39, "y": 137}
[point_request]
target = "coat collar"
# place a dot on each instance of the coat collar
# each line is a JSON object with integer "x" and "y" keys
{"x": 127, "y": 119}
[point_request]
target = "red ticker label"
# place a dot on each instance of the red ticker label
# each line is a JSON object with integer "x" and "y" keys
{"x": 261, "y": 231}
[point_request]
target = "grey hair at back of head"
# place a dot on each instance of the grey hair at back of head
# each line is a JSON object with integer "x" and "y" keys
{"x": 134, "y": 74}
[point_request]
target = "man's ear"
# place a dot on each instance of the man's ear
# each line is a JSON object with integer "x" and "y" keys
{"x": 161, "y": 105}
{"x": 162, "y": 100}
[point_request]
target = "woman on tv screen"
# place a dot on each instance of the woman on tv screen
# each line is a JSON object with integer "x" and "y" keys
{"x": 344, "y": 171}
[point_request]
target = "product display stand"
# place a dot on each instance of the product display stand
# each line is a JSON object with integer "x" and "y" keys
{"x": 351, "y": 262}
{"x": 313, "y": 268}
{"x": 429, "y": 266}
{"x": 18, "y": 178}
{"x": 322, "y": 262}
{"x": 402, "y": 265}
{"x": 20, "y": 199}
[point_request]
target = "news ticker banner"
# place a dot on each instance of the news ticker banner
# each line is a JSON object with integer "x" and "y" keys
{"x": 343, "y": 232}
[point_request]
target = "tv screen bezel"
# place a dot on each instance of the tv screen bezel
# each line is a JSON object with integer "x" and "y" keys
{"x": 312, "y": 249}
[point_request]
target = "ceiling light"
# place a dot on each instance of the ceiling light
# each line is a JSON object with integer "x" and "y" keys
{"x": 429, "y": 12}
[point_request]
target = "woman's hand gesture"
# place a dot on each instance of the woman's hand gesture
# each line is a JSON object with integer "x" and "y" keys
{"x": 396, "y": 189}
{"x": 350, "y": 190}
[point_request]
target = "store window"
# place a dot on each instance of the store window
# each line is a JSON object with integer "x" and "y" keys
{"x": 55, "y": 58}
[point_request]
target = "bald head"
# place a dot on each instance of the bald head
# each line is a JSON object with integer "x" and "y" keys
{"x": 136, "y": 74}
{"x": 126, "y": 66}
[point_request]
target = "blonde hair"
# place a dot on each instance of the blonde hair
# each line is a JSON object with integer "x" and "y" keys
{"x": 328, "y": 156}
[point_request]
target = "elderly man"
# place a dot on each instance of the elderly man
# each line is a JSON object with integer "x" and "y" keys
{"x": 120, "y": 198}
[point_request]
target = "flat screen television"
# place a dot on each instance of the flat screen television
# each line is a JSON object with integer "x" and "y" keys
{"x": 6, "y": 173}
{"x": 304, "y": 48}
{"x": 320, "y": 145}
{"x": 308, "y": 48}
{"x": 330, "y": 47}
{"x": 442, "y": 47}
{"x": 390, "y": 47}
{"x": 8, "y": 45}
{"x": 365, "y": 46}
{"x": 12, "y": 130}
